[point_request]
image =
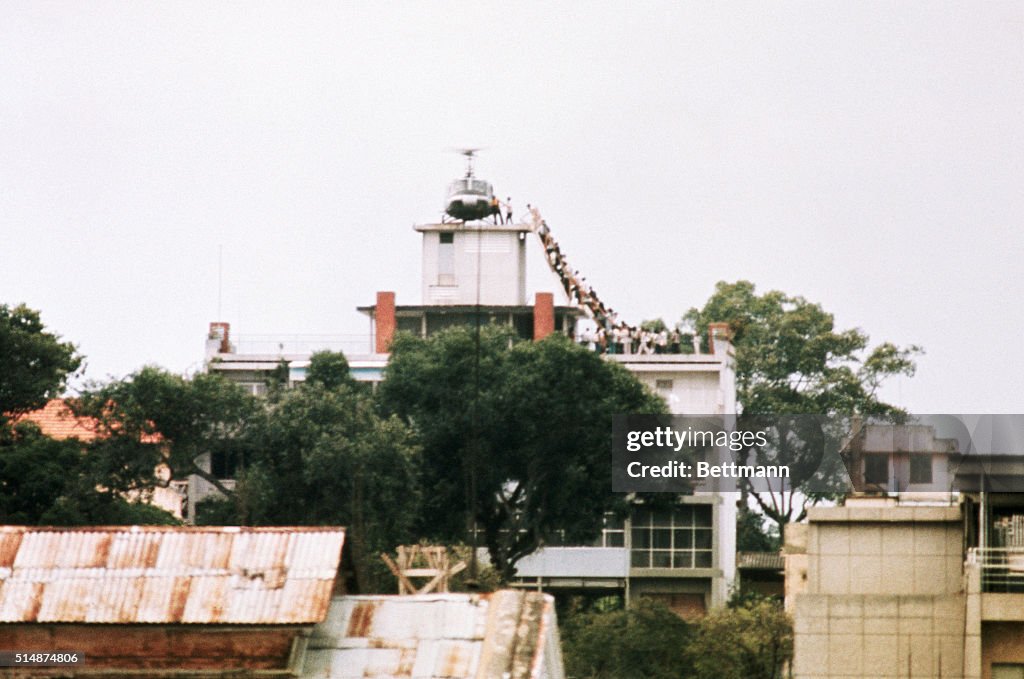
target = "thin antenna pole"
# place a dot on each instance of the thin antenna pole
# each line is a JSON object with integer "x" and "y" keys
{"x": 474, "y": 568}
{"x": 220, "y": 280}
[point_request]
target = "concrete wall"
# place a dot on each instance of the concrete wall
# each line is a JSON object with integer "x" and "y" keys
{"x": 883, "y": 596}
{"x": 501, "y": 253}
{"x": 876, "y": 636}
{"x": 915, "y": 551}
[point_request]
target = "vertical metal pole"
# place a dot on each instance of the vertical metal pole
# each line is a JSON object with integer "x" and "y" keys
{"x": 473, "y": 580}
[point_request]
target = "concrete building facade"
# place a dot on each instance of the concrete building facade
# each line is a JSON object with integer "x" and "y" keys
{"x": 915, "y": 583}
{"x": 684, "y": 557}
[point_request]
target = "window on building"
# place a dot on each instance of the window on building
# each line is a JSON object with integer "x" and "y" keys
{"x": 663, "y": 385}
{"x": 1006, "y": 671}
{"x": 446, "y": 259}
{"x": 676, "y": 538}
{"x": 254, "y": 388}
{"x": 226, "y": 465}
{"x": 410, "y": 324}
{"x": 920, "y": 469}
{"x": 613, "y": 534}
{"x": 876, "y": 470}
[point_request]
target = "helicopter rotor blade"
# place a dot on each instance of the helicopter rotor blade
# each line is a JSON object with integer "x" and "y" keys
{"x": 468, "y": 151}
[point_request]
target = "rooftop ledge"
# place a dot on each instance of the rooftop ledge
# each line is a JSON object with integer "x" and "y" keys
{"x": 884, "y": 514}
{"x": 521, "y": 227}
{"x": 665, "y": 358}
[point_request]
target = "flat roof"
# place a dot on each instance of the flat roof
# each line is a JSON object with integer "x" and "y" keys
{"x": 412, "y": 309}
{"x": 475, "y": 226}
{"x": 671, "y": 361}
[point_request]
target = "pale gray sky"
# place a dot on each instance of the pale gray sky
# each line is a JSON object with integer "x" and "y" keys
{"x": 868, "y": 156}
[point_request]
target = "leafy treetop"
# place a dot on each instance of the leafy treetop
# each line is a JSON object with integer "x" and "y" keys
{"x": 527, "y": 425}
{"x": 34, "y": 364}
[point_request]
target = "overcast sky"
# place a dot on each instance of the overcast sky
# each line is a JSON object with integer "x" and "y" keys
{"x": 868, "y": 156}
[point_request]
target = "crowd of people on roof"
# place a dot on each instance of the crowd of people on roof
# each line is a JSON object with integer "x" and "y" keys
{"x": 612, "y": 336}
{"x": 625, "y": 339}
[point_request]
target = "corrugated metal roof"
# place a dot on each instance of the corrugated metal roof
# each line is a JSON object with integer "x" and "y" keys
{"x": 510, "y": 634}
{"x": 760, "y": 561}
{"x": 157, "y": 574}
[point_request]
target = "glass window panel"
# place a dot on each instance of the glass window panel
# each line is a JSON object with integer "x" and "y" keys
{"x": 641, "y": 559}
{"x": 662, "y": 538}
{"x": 641, "y": 538}
{"x": 702, "y": 559}
{"x": 703, "y": 539}
{"x": 661, "y": 559}
{"x": 920, "y": 469}
{"x": 876, "y": 470}
{"x": 642, "y": 517}
{"x": 702, "y": 516}
{"x": 663, "y": 519}
{"x": 1002, "y": 671}
{"x": 684, "y": 538}
{"x": 682, "y": 559}
{"x": 684, "y": 516}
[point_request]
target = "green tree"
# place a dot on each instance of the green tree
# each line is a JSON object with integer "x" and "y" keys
{"x": 751, "y": 535}
{"x": 791, "y": 360}
{"x": 527, "y": 425}
{"x": 329, "y": 369}
{"x": 653, "y": 325}
{"x": 753, "y": 640}
{"x": 153, "y": 417}
{"x": 315, "y": 454}
{"x": 34, "y": 364}
{"x": 46, "y": 481}
{"x": 321, "y": 455}
{"x": 645, "y": 641}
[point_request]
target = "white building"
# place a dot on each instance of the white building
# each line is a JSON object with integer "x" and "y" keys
{"x": 687, "y": 557}
{"x": 476, "y": 270}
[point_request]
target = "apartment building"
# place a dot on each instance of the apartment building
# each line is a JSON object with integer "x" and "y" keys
{"x": 911, "y": 577}
{"x": 476, "y": 272}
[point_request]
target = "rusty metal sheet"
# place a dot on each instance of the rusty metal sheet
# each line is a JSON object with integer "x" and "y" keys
{"x": 157, "y": 574}
{"x": 457, "y": 636}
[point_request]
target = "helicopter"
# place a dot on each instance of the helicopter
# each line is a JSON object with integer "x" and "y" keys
{"x": 469, "y": 198}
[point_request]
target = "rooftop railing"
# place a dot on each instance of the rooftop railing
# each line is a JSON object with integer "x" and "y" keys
{"x": 359, "y": 344}
{"x": 1002, "y": 568}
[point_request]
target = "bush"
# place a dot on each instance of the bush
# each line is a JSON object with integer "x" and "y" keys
{"x": 645, "y": 641}
{"x": 751, "y": 640}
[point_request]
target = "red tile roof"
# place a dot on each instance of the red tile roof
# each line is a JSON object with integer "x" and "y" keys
{"x": 56, "y": 420}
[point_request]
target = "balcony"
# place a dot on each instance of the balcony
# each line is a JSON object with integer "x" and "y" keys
{"x": 1002, "y": 568}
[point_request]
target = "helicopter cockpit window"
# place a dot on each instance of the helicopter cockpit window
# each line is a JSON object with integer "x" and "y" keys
{"x": 458, "y": 186}
{"x": 479, "y": 187}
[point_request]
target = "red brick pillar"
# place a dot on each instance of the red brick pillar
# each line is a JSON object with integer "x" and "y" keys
{"x": 543, "y": 315}
{"x": 222, "y": 332}
{"x": 384, "y": 317}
